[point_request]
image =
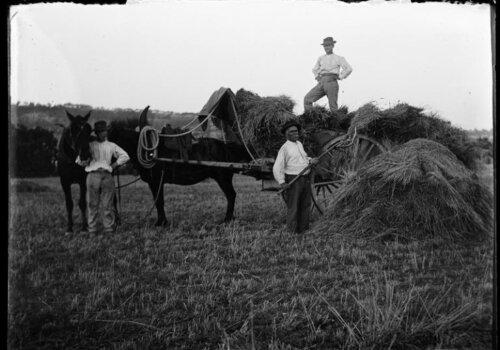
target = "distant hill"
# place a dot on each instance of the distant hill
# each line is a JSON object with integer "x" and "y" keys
{"x": 53, "y": 117}
{"x": 483, "y": 133}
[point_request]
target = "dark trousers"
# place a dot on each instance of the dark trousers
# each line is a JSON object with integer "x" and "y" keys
{"x": 298, "y": 203}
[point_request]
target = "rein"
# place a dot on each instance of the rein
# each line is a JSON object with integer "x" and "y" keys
{"x": 127, "y": 184}
{"x": 119, "y": 187}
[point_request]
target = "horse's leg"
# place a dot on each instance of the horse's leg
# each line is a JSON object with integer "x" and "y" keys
{"x": 66, "y": 186}
{"x": 82, "y": 203}
{"x": 157, "y": 190}
{"x": 115, "y": 209}
{"x": 225, "y": 182}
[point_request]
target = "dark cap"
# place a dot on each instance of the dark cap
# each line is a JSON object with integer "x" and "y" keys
{"x": 100, "y": 125}
{"x": 289, "y": 124}
{"x": 328, "y": 41}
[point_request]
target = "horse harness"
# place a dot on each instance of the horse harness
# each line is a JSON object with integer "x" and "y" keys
{"x": 72, "y": 139}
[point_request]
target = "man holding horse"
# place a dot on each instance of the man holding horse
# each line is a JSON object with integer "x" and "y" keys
{"x": 291, "y": 161}
{"x": 328, "y": 69}
{"x": 100, "y": 183}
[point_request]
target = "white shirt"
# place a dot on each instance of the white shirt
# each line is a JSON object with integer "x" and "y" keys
{"x": 291, "y": 160}
{"x": 101, "y": 154}
{"x": 332, "y": 64}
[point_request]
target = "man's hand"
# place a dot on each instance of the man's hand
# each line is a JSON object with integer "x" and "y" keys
{"x": 284, "y": 188}
{"x": 114, "y": 166}
{"x": 83, "y": 163}
{"x": 314, "y": 161}
{"x": 284, "y": 191}
{"x": 317, "y": 78}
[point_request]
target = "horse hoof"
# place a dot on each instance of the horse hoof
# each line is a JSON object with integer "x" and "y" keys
{"x": 161, "y": 223}
{"x": 225, "y": 221}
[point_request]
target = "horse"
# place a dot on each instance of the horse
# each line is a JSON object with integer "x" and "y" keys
{"x": 127, "y": 137}
{"x": 73, "y": 140}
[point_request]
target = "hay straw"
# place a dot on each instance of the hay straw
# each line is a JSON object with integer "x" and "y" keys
{"x": 403, "y": 122}
{"x": 262, "y": 118}
{"x": 319, "y": 117}
{"x": 418, "y": 190}
{"x": 319, "y": 126}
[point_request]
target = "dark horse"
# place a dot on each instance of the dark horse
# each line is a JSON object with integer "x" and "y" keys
{"x": 74, "y": 139}
{"x": 178, "y": 173}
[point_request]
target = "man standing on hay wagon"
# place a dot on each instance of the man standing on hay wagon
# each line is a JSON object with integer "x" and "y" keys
{"x": 290, "y": 162}
{"x": 100, "y": 183}
{"x": 328, "y": 70}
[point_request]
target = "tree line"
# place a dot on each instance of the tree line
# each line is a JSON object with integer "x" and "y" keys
{"x": 34, "y": 131}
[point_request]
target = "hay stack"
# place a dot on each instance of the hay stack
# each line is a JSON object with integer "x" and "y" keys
{"x": 261, "y": 119}
{"x": 418, "y": 190}
{"x": 321, "y": 125}
{"x": 404, "y": 122}
{"x": 319, "y": 117}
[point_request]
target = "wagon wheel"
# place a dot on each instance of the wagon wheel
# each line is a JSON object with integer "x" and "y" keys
{"x": 332, "y": 169}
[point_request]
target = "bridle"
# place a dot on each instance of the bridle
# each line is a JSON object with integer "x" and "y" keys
{"x": 72, "y": 144}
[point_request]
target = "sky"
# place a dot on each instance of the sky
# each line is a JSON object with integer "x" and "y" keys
{"x": 171, "y": 55}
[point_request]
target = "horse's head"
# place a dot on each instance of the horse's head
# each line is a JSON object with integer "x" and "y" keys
{"x": 77, "y": 121}
{"x": 124, "y": 133}
{"x": 78, "y": 135}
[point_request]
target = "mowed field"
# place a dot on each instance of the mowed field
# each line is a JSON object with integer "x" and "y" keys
{"x": 244, "y": 285}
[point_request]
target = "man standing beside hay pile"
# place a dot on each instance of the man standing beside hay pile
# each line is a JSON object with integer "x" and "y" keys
{"x": 328, "y": 69}
{"x": 291, "y": 161}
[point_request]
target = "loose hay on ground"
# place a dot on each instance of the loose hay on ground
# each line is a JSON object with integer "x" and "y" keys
{"x": 420, "y": 189}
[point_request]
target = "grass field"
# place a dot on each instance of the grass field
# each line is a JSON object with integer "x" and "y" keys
{"x": 244, "y": 285}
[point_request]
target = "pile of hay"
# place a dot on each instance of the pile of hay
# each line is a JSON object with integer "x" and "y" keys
{"x": 261, "y": 119}
{"x": 404, "y": 122}
{"x": 320, "y": 125}
{"x": 319, "y": 117}
{"x": 420, "y": 189}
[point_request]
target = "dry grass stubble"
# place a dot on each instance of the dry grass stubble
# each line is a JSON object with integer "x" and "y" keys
{"x": 242, "y": 285}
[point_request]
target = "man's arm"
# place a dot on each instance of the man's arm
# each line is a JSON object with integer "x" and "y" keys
{"x": 316, "y": 69}
{"x": 81, "y": 163}
{"x": 346, "y": 69}
{"x": 121, "y": 156}
{"x": 279, "y": 167}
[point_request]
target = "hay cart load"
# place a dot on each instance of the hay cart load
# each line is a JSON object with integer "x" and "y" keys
{"x": 230, "y": 121}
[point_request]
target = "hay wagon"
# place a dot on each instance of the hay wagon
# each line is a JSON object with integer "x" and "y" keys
{"x": 339, "y": 154}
